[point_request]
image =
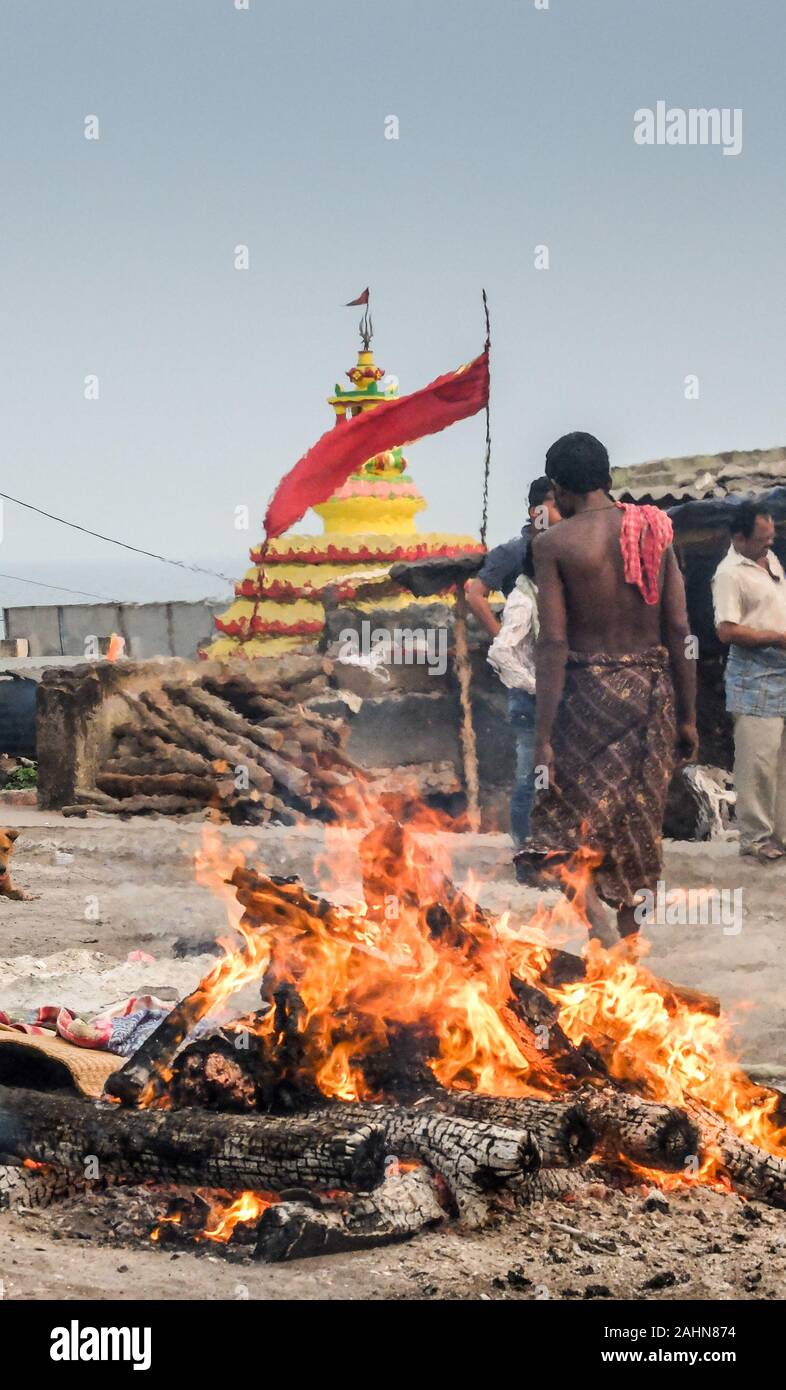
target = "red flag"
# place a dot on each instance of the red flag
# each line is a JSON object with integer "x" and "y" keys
{"x": 361, "y": 299}
{"x": 343, "y": 449}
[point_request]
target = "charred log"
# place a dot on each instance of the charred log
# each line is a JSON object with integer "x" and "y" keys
{"x": 655, "y": 1136}
{"x": 213, "y": 1074}
{"x": 404, "y": 1204}
{"x": 560, "y": 1130}
{"x": 751, "y": 1170}
{"x": 337, "y": 1148}
{"x": 400, "y": 1069}
{"x": 541, "y": 1016}
{"x": 35, "y": 1188}
{"x": 474, "y": 1157}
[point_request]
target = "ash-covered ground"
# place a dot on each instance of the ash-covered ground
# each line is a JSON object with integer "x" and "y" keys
{"x": 692, "y": 1245}
{"x": 106, "y": 889}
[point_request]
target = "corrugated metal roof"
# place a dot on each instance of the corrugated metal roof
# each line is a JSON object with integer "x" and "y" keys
{"x": 701, "y": 476}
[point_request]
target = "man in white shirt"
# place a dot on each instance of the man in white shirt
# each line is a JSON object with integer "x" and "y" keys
{"x": 749, "y": 596}
{"x": 512, "y": 655}
{"x": 509, "y": 569}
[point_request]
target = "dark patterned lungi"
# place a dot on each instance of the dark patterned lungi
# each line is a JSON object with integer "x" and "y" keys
{"x": 614, "y": 742}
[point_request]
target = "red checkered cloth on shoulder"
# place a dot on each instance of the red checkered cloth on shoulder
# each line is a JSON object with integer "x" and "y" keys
{"x": 646, "y": 533}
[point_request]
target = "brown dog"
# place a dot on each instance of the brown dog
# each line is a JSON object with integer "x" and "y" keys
{"x": 7, "y": 889}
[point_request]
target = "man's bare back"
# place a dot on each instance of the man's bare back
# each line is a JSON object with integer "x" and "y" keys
{"x": 615, "y": 735}
{"x": 602, "y": 611}
{"x": 587, "y": 605}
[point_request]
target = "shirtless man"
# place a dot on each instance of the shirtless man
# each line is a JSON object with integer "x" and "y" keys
{"x": 616, "y": 691}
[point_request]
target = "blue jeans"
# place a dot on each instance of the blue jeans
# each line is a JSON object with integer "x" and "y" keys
{"x": 521, "y": 714}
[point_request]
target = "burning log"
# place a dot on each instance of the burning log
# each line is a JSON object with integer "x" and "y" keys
{"x": 404, "y": 1204}
{"x": 751, "y": 1170}
{"x": 564, "y": 968}
{"x": 654, "y": 1136}
{"x": 560, "y": 1129}
{"x": 341, "y": 1146}
{"x": 212, "y": 1074}
{"x": 146, "y": 1073}
{"x": 473, "y": 1157}
{"x": 336, "y": 1148}
{"x": 683, "y": 996}
{"x": 541, "y": 1015}
{"x": 400, "y": 1070}
{"x": 216, "y": 1074}
{"x": 390, "y": 855}
{"x": 283, "y": 898}
{"x": 268, "y": 904}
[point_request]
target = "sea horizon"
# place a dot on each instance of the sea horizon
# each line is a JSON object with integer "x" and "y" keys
{"x": 70, "y": 582}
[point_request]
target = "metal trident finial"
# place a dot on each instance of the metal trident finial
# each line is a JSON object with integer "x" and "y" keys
{"x": 366, "y": 330}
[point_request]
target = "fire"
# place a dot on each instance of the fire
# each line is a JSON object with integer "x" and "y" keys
{"x": 381, "y": 967}
{"x": 675, "y": 1055}
{"x": 176, "y": 1219}
{"x": 240, "y": 965}
{"x": 708, "y": 1174}
{"x": 249, "y": 1206}
{"x": 224, "y": 1212}
{"x": 419, "y": 954}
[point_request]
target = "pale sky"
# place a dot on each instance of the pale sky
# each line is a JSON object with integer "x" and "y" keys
{"x": 266, "y": 127}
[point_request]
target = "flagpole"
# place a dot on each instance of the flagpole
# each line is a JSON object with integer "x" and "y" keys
{"x": 487, "y": 462}
{"x": 468, "y": 741}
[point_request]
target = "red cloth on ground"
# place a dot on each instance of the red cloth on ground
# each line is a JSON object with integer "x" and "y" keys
{"x": 646, "y": 533}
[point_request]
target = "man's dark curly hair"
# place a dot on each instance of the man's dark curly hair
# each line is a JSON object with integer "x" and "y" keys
{"x": 578, "y": 462}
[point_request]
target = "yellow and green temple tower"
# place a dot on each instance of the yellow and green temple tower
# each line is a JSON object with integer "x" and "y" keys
{"x": 368, "y": 525}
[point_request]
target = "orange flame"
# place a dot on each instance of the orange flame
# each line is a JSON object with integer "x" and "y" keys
{"x": 363, "y": 970}
{"x": 222, "y": 1221}
{"x": 225, "y": 1213}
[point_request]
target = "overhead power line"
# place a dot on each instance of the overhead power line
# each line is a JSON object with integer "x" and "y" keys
{"x": 138, "y": 550}
{"x": 61, "y": 588}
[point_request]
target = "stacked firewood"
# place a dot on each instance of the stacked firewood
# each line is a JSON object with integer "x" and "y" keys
{"x": 242, "y": 744}
{"x": 345, "y": 1174}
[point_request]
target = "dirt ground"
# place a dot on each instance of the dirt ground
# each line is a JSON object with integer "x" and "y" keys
{"x": 106, "y": 889}
{"x": 705, "y": 1246}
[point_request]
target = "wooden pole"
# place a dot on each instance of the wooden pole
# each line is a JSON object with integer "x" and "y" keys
{"x": 469, "y": 749}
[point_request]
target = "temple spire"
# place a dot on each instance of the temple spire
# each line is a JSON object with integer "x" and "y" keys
{"x": 368, "y": 524}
